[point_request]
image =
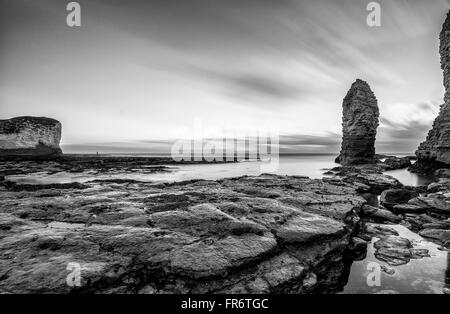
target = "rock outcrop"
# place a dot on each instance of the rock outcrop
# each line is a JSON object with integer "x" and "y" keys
{"x": 436, "y": 148}
{"x": 29, "y": 136}
{"x": 242, "y": 235}
{"x": 265, "y": 234}
{"x": 359, "y": 122}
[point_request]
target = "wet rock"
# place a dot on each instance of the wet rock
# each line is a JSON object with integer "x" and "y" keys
{"x": 443, "y": 185}
{"x": 206, "y": 259}
{"x": 368, "y": 210}
{"x": 388, "y": 270}
{"x": 442, "y": 173}
{"x": 391, "y": 241}
{"x": 408, "y": 208}
{"x": 379, "y": 214}
{"x": 204, "y": 219}
{"x": 371, "y": 176}
{"x": 36, "y": 187}
{"x": 392, "y": 197}
{"x": 393, "y": 163}
{"x": 357, "y": 249}
{"x": 436, "y": 203}
{"x": 359, "y": 122}
{"x": 29, "y": 136}
{"x": 281, "y": 270}
{"x": 396, "y": 250}
{"x": 305, "y": 228}
{"x": 310, "y": 281}
{"x": 418, "y": 222}
{"x": 436, "y": 234}
{"x": 437, "y": 225}
{"x": 370, "y": 230}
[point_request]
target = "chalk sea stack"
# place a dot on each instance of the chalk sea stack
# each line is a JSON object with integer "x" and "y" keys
{"x": 29, "y": 137}
{"x": 436, "y": 148}
{"x": 359, "y": 125}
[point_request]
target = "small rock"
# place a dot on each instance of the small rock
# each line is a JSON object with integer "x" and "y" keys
{"x": 396, "y": 250}
{"x": 310, "y": 280}
{"x": 388, "y": 270}
{"x": 437, "y": 225}
{"x": 437, "y": 234}
{"x": 147, "y": 290}
{"x": 443, "y": 185}
{"x": 378, "y": 230}
{"x": 379, "y": 214}
{"x": 368, "y": 210}
{"x": 357, "y": 248}
{"x": 435, "y": 203}
{"x": 442, "y": 173}
{"x": 408, "y": 208}
{"x": 393, "y": 163}
{"x": 390, "y": 198}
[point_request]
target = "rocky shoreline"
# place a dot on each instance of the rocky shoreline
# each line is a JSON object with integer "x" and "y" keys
{"x": 270, "y": 233}
{"x": 250, "y": 234}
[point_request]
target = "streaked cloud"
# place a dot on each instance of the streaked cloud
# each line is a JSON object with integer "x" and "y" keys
{"x": 138, "y": 69}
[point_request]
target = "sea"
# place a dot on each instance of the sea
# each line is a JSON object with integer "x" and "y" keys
{"x": 312, "y": 166}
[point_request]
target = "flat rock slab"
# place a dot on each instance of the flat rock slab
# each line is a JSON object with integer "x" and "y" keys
{"x": 249, "y": 234}
{"x": 436, "y": 234}
{"x": 304, "y": 228}
{"x": 436, "y": 203}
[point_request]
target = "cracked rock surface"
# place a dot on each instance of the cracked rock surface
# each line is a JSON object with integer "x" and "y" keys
{"x": 249, "y": 234}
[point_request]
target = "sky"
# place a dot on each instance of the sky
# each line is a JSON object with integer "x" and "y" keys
{"x": 137, "y": 73}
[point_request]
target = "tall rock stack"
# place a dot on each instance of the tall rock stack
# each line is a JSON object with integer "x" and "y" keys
{"x": 436, "y": 148}
{"x": 29, "y": 137}
{"x": 359, "y": 123}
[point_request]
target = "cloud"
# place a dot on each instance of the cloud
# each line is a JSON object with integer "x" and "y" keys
{"x": 404, "y": 126}
{"x": 414, "y": 130}
{"x": 142, "y": 68}
{"x": 256, "y": 86}
{"x": 303, "y": 139}
{"x": 303, "y": 143}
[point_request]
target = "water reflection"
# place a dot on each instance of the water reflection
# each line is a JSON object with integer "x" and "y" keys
{"x": 409, "y": 178}
{"x": 298, "y": 165}
{"x": 425, "y": 275}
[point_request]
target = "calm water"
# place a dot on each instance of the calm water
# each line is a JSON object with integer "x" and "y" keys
{"x": 426, "y": 275}
{"x": 409, "y": 178}
{"x": 312, "y": 166}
